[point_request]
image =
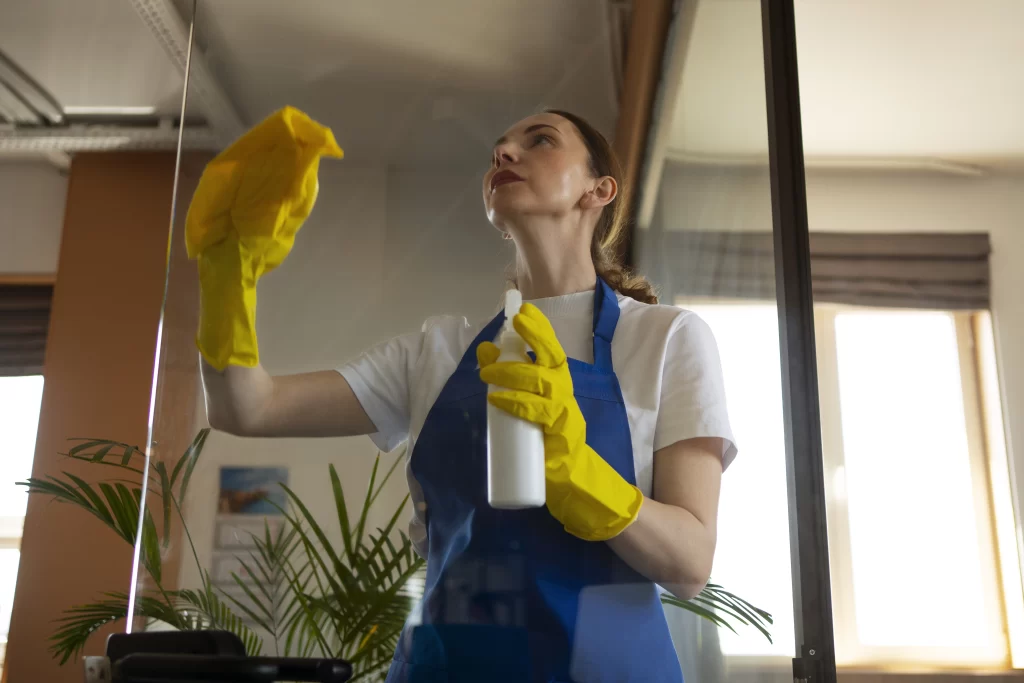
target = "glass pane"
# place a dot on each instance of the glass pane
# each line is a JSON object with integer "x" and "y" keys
{"x": 428, "y": 103}
{"x": 913, "y": 246}
{"x": 705, "y": 238}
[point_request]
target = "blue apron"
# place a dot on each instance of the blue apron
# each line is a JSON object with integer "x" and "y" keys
{"x": 510, "y": 596}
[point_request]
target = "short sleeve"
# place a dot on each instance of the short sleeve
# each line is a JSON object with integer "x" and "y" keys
{"x": 379, "y": 378}
{"x": 693, "y": 401}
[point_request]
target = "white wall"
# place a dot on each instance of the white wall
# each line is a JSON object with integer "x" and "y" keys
{"x": 382, "y": 251}
{"x": 729, "y": 200}
{"x": 32, "y": 197}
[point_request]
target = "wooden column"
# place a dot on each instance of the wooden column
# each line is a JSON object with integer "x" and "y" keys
{"x": 648, "y": 32}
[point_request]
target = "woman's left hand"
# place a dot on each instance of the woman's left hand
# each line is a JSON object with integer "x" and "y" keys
{"x": 584, "y": 492}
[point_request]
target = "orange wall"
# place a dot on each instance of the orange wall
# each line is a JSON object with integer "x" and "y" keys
{"x": 99, "y": 368}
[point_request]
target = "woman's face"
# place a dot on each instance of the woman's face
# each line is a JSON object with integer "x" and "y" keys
{"x": 539, "y": 167}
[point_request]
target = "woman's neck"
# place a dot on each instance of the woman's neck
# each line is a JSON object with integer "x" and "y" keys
{"x": 552, "y": 263}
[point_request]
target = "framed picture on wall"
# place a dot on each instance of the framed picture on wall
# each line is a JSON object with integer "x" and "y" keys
{"x": 251, "y": 490}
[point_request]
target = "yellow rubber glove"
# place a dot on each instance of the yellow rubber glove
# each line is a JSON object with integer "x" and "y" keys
{"x": 251, "y": 200}
{"x": 584, "y": 492}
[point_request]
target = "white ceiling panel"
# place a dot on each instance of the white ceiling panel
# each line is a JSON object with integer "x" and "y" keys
{"x": 878, "y": 78}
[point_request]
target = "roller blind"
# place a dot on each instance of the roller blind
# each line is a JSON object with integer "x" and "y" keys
{"x": 931, "y": 271}
{"x": 24, "y": 322}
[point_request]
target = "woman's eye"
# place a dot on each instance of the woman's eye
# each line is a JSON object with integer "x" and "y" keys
{"x": 541, "y": 138}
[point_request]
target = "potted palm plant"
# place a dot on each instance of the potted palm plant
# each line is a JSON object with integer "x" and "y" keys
{"x": 303, "y": 594}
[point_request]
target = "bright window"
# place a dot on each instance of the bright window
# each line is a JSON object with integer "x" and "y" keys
{"x": 909, "y": 490}
{"x": 908, "y": 479}
{"x": 20, "y": 399}
{"x": 752, "y": 557}
{"x": 910, "y": 520}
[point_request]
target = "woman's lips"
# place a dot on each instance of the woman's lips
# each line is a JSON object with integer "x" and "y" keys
{"x": 503, "y": 178}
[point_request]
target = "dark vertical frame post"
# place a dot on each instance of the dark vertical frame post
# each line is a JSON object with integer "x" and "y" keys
{"x": 812, "y": 603}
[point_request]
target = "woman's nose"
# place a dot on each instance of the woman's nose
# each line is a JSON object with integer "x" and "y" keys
{"x": 504, "y": 153}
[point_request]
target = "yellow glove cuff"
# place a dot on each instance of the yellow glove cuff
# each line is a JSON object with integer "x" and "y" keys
{"x": 590, "y": 498}
{"x": 227, "y": 319}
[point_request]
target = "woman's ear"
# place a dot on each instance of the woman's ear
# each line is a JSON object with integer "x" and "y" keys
{"x": 602, "y": 194}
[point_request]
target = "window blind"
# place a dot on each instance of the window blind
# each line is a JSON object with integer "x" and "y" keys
{"x": 24, "y": 322}
{"x": 929, "y": 271}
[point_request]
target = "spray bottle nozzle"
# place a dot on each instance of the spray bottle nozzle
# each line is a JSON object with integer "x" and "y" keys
{"x": 513, "y": 302}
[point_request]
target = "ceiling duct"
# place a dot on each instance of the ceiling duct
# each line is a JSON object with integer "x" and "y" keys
{"x": 83, "y": 138}
{"x": 33, "y": 121}
{"x": 23, "y": 100}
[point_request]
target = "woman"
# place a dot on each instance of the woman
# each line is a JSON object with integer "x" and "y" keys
{"x": 629, "y": 394}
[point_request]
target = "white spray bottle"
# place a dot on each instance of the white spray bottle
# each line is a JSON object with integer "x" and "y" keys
{"x": 515, "y": 447}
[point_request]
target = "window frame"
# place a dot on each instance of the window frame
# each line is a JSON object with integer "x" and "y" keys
{"x": 1002, "y": 564}
{"x": 851, "y": 653}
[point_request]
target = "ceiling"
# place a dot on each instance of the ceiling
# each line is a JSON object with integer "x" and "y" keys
{"x": 878, "y": 79}
{"x": 90, "y": 53}
{"x": 413, "y": 83}
{"x": 409, "y": 81}
{"x": 403, "y": 82}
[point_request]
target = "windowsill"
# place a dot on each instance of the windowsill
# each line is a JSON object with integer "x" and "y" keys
{"x": 754, "y": 668}
{"x": 875, "y": 676}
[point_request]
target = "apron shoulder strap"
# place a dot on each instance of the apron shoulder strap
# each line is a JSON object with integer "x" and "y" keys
{"x": 606, "y": 318}
{"x": 489, "y": 332}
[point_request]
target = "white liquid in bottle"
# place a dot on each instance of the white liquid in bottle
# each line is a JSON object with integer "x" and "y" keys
{"x": 515, "y": 447}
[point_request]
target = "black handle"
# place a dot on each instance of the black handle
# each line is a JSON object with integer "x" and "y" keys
{"x": 164, "y": 668}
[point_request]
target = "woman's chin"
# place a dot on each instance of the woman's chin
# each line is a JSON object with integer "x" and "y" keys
{"x": 502, "y": 212}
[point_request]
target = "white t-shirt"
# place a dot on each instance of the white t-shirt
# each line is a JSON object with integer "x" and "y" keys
{"x": 665, "y": 358}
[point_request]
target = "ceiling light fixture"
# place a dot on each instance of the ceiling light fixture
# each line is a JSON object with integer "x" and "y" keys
{"x": 113, "y": 110}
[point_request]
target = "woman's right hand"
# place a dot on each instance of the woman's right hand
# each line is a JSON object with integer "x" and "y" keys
{"x": 251, "y": 201}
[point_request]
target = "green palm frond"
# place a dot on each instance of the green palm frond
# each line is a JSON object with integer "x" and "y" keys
{"x": 81, "y": 621}
{"x": 214, "y": 613}
{"x": 113, "y": 503}
{"x": 358, "y": 586}
{"x": 723, "y": 608}
{"x": 272, "y": 603}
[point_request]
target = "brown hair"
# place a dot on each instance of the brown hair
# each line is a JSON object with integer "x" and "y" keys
{"x": 612, "y": 223}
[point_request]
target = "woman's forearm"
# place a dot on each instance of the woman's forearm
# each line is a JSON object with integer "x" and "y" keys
{"x": 237, "y": 398}
{"x": 250, "y": 402}
{"x": 672, "y": 542}
{"x": 669, "y": 546}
